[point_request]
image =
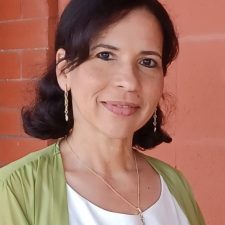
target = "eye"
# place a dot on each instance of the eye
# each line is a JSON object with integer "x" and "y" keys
{"x": 147, "y": 62}
{"x": 105, "y": 56}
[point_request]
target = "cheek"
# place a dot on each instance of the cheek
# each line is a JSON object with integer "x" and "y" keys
{"x": 161, "y": 85}
{"x": 154, "y": 84}
{"x": 153, "y": 90}
{"x": 86, "y": 82}
{"x": 92, "y": 75}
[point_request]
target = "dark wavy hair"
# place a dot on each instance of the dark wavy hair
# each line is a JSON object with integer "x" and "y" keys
{"x": 81, "y": 21}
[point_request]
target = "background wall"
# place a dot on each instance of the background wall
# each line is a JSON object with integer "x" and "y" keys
{"x": 26, "y": 39}
{"x": 196, "y": 81}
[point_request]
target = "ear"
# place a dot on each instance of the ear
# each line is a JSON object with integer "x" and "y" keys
{"x": 62, "y": 73}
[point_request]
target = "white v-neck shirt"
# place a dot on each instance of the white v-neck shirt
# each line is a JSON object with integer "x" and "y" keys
{"x": 165, "y": 211}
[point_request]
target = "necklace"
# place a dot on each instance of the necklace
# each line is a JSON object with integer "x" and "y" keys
{"x": 137, "y": 208}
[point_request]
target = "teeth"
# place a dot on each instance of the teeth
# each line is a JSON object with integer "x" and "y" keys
{"x": 123, "y": 106}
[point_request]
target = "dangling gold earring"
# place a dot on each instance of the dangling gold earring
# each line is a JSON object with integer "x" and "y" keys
{"x": 66, "y": 105}
{"x": 155, "y": 121}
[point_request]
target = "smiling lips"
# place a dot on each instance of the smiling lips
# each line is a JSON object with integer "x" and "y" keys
{"x": 121, "y": 108}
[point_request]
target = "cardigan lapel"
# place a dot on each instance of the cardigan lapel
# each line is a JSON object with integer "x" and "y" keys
{"x": 60, "y": 205}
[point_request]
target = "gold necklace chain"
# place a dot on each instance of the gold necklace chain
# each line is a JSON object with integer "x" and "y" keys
{"x": 139, "y": 211}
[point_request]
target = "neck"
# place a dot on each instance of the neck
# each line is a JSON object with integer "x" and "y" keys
{"x": 104, "y": 155}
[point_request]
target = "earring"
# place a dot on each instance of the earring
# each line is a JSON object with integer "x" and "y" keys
{"x": 138, "y": 148}
{"x": 155, "y": 120}
{"x": 66, "y": 105}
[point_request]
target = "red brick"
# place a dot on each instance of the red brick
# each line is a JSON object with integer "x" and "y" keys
{"x": 9, "y": 65}
{"x": 15, "y": 94}
{"x": 52, "y": 29}
{"x": 201, "y": 109}
{"x": 10, "y": 121}
{"x": 202, "y": 162}
{"x": 165, "y": 152}
{"x": 10, "y": 9}
{"x": 53, "y": 8}
{"x": 24, "y": 34}
{"x": 197, "y": 17}
{"x": 12, "y": 149}
{"x": 62, "y": 4}
{"x": 33, "y": 63}
{"x": 34, "y": 8}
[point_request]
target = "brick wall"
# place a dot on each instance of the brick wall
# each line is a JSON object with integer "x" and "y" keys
{"x": 196, "y": 79}
{"x": 26, "y": 39}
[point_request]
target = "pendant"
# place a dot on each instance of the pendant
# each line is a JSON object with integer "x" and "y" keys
{"x": 141, "y": 216}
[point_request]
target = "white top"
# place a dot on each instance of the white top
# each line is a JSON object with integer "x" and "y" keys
{"x": 165, "y": 211}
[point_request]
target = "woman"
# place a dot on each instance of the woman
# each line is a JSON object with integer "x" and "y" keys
{"x": 101, "y": 98}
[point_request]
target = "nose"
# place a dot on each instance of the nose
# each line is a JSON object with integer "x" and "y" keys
{"x": 127, "y": 78}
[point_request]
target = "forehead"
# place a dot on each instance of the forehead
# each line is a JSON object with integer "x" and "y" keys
{"x": 139, "y": 27}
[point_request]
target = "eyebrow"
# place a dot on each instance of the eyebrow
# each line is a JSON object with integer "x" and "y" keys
{"x": 151, "y": 53}
{"x": 105, "y": 46}
{"x": 111, "y": 47}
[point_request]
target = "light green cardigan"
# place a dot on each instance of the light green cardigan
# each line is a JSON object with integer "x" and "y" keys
{"x": 33, "y": 190}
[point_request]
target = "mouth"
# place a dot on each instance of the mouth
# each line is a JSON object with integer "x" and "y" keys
{"x": 121, "y": 108}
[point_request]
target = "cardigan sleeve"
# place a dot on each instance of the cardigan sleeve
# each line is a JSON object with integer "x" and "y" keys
{"x": 13, "y": 210}
{"x": 17, "y": 186}
{"x": 33, "y": 190}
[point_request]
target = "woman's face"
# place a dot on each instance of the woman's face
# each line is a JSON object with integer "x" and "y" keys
{"x": 117, "y": 89}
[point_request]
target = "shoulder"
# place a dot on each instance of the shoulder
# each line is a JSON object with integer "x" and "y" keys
{"x": 22, "y": 184}
{"x": 172, "y": 176}
{"x": 161, "y": 167}
{"x": 179, "y": 188}
{"x": 29, "y": 163}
